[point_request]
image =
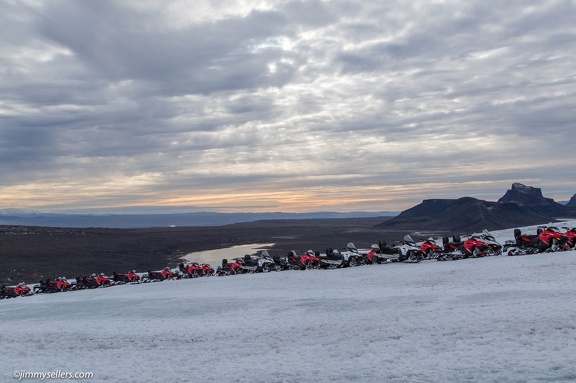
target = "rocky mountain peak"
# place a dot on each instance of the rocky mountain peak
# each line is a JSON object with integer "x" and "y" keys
{"x": 532, "y": 197}
{"x": 520, "y": 193}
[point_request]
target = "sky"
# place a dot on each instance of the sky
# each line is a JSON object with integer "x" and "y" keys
{"x": 293, "y": 106}
{"x": 492, "y": 320}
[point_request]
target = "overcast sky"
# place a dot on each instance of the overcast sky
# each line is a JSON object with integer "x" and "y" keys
{"x": 284, "y": 105}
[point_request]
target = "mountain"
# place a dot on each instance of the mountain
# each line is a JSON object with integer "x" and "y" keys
{"x": 532, "y": 197}
{"x": 572, "y": 202}
{"x": 11, "y": 212}
{"x": 520, "y": 206}
{"x": 464, "y": 214}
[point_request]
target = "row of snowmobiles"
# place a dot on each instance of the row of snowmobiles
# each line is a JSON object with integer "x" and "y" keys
{"x": 93, "y": 281}
{"x": 407, "y": 251}
{"x": 61, "y": 284}
{"x": 477, "y": 245}
{"x": 546, "y": 239}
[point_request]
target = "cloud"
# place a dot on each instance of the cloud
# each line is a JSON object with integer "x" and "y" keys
{"x": 338, "y": 103}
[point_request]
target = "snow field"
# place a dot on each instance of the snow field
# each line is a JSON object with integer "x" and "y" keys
{"x": 495, "y": 319}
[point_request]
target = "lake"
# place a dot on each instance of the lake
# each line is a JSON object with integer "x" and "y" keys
{"x": 214, "y": 257}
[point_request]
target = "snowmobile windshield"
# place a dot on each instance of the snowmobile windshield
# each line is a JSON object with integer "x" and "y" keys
{"x": 408, "y": 239}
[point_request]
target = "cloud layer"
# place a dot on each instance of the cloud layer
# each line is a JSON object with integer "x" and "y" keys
{"x": 283, "y": 106}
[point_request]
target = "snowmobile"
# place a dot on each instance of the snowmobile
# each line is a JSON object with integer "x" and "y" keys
{"x": 547, "y": 239}
{"x": 282, "y": 263}
{"x": 308, "y": 260}
{"x": 266, "y": 263}
{"x": 430, "y": 249}
{"x": 332, "y": 259}
{"x": 523, "y": 243}
{"x": 93, "y": 281}
{"x": 494, "y": 248}
{"x": 186, "y": 270}
{"x": 552, "y": 239}
{"x": 20, "y": 290}
{"x": 257, "y": 263}
{"x": 405, "y": 251}
{"x": 129, "y": 277}
{"x": 375, "y": 256}
{"x": 389, "y": 253}
{"x": 451, "y": 249}
{"x": 195, "y": 270}
{"x": 157, "y": 276}
{"x": 207, "y": 270}
{"x": 229, "y": 268}
{"x": 474, "y": 247}
{"x": 57, "y": 285}
{"x": 410, "y": 251}
{"x": 570, "y": 234}
{"x": 239, "y": 266}
{"x": 245, "y": 264}
{"x": 352, "y": 256}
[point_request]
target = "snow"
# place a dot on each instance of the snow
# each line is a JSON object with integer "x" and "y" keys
{"x": 494, "y": 319}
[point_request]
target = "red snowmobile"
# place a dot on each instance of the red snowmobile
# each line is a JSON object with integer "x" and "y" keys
{"x": 374, "y": 255}
{"x": 19, "y": 290}
{"x": 229, "y": 268}
{"x": 129, "y": 277}
{"x": 192, "y": 270}
{"x": 195, "y": 270}
{"x": 207, "y": 269}
{"x": 48, "y": 286}
{"x": 93, "y": 281}
{"x": 552, "y": 239}
{"x": 156, "y": 276}
{"x": 430, "y": 248}
{"x": 451, "y": 249}
{"x": 474, "y": 247}
{"x": 523, "y": 243}
{"x": 547, "y": 239}
{"x": 308, "y": 260}
{"x": 570, "y": 238}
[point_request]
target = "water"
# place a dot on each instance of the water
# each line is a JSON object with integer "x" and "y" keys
{"x": 214, "y": 257}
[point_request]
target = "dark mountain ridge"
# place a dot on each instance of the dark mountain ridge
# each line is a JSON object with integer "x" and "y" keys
{"x": 572, "y": 202}
{"x": 532, "y": 197}
{"x": 520, "y": 206}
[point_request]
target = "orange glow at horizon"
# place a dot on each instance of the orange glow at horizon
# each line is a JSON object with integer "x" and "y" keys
{"x": 341, "y": 198}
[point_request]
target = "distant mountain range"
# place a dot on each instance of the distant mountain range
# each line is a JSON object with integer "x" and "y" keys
{"x": 37, "y": 218}
{"x": 520, "y": 206}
